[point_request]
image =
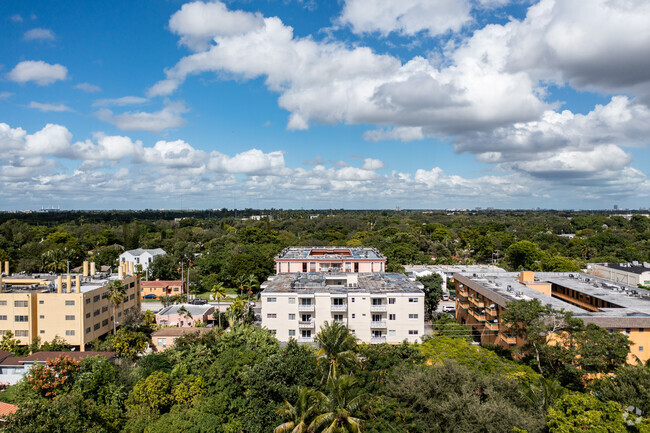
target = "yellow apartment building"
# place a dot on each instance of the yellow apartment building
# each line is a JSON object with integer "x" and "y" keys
{"x": 482, "y": 298}
{"x": 73, "y": 307}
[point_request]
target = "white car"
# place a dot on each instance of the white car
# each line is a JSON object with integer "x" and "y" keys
{"x": 448, "y": 309}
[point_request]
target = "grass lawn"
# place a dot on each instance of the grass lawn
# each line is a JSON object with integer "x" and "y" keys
{"x": 229, "y": 292}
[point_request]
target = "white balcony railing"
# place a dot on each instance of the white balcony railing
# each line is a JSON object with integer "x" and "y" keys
{"x": 344, "y": 322}
{"x": 305, "y": 339}
{"x": 340, "y": 308}
{"x": 378, "y": 308}
{"x": 306, "y": 307}
{"x": 378, "y": 324}
{"x": 306, "y": 324}
{"x": 377, "y": 340}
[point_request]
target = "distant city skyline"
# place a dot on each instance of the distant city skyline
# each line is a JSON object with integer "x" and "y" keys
{"x": 357, "y": 104}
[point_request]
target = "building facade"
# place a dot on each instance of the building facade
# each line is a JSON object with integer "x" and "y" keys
{"x": 75, "y": 308}
{"x": 159, "y": 288}
{"x": 482, "y": 298}
{"x": 632, "y": 274}
{"x": 140, "y": 259}
{"x": 193, "y": 315}
{"x": 166, "y": 337}
{"x": 377, "y": 308}
{"x": 330, "y": 259}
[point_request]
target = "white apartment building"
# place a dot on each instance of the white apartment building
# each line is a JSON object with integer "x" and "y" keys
{"x": 140, "y": 259}
{"x": 377, "y": 308}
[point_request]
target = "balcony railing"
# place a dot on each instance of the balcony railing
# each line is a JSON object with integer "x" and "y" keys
{"x": 492, "y": 326}
{"x": 480, "y": 316}
{"x": 340, "y": 308}
{"x": 463, "y": 304}
{"x": 305, "y": 339}
{"x": 305, "y": 307}
{"x": 378, "y": 324}
{"x": 508, "y": 339}
{"x": 475, "y": 301}
{"x": 377, "y": 340}
{"x": 462, "y": 292}
{"x": 378, "y": 308}
{"x": 491, "y": 311}
{"x": 343, "y": 322}
{"x": 306, "y": 324}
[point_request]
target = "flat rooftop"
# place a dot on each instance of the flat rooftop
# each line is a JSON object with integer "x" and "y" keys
{"x": 46, "y": 283}
{"x": 336, "y": 253}
{"x": 481, "y": 269}
{"x": 631, "y": 302}
{"x": 634, "y": 268}
{"x": 340, "y": 282}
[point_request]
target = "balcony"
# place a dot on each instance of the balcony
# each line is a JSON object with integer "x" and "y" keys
{"x": 462, "y": 292}
{"x": 508, "y": 339}
{"x": 305, "y": 339}
{"x": 308, "y": 324}
{"x": 480, "y": 316}
{"x": 378, "y": 308}
{"x": 305, "y": 307}
{"x": 491, "y": 311}
{"x": 477, "y": 303}
{"x": 377, "y": 340}
{"x": 339, "y": 308}
{"x": 344, "y": 322}
{"x": 463, "y": 304}
{"x": 492, "y": 326}
{"x": 380, "y": 324}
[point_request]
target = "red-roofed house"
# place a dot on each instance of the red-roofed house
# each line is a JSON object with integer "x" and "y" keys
{"x": 6, "y": 409}
{"x": 160, "y": 288}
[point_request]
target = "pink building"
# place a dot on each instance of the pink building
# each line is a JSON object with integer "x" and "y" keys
{"x": 329, "y": 259}
{"x": 166, "y": 337}
{"x": 193, "y": 315}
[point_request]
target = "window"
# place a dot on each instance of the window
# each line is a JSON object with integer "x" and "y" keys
{"x": 96, "y": 313}
{"x": 377, "y": 301}
{"x": 391, "y": 317}
{"x": 292, "y": 317}
{"x": 104, "y": 308}
{"x": 338, "y": 317}
{"x": 292, "y": 300}
{"x": 21, "y": 318}
{"x": 69, "y": 303}
{"x": 413, "y": 300}
{"x": 413, "y": 332}
{"x": 42, "y": 331}
{"x": 22, "y": 333}
{"x": 97, "y": 326}
{"x": 640, "y": 348}
{"x": 352, "y": 299}
{"x": 96, "y": 298}
{"x": 70, "y": 317}
{"x": 162, "y": 342}
{"x": 69, "y": 332}
{"x": 3, "y": 302}
{"x": 271, "y": 316}
{"x": 413, "y": 316}
{"x": 292, "y": 332}
{"x": 20, "y": 304}
{"x": 271, "y": 299}
{"x": 306, "y": 333}
{"x": 391, "y": 333}
{"x": 627, "y": 331}
{"x": 87, "y": 315}
{"x": 41, "y": 302}
{"x": 41, "y": 317}
{"x": 337, "y": 301}
{"x": 3, "y": 317}
{"x": 273, "y": 331}
{"x": 391, "y": 300}
{"x": 354, "y": 315}
{"x": 352, "y": 331}
{"x": 132, "y": 296}
{"x": 87, "y": 330}
{"x": 87, "y": 301}
{"x": 104, "y": 322}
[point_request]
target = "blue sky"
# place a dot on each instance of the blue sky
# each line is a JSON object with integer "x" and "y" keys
{"x": 308, "y": 104}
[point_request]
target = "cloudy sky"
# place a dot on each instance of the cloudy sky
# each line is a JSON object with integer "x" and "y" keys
{"x": 324, "y": 104}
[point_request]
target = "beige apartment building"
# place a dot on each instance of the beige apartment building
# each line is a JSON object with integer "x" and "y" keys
{"x": 330, "y": 259}
{"x": 73, "y": 307}
{"x": 377, "y": 308}
{"x": 632, "y": 274}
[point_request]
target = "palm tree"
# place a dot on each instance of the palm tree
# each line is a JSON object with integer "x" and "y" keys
{"x": 339, "y": 407}
{"x": 182, "y": 311}
{"x": 336, "y": 349}
{"x": 218, "y": 293}
{"x": 250, "y": 282}
{"x": 54, "y": 260}
{"x": 300, "y": 415}
{"x": 240, "y": 281}
{"x": 116, "y": 295}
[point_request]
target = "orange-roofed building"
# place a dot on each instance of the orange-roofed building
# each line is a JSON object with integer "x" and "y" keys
{"x": 6, "y": 409}
{"x": 159, "y": 288}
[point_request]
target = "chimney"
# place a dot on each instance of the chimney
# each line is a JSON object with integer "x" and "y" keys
{"x": 77, "y": 284}
{"x": 131, "y": 272}
{"x": 68, "y": 283}
{"x": 120, "y": 271}
{"x": 85, "y": 268}
{"x": 93, "y": 270}
{"x": 59, "y": 284}
{"x": 7, "y": 268}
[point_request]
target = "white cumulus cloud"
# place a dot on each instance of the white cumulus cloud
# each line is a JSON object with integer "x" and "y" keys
{"x": 169, "y": 117}
{"x": 39, "y": 34}
{"x": 40, "y": 72}
{"x": 49, "y": 107}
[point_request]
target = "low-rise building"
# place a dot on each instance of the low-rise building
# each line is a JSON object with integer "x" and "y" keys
{"x": 73, "y": 307}
{"x": 448, "y": 271}
{"x": 482, "y": 298}
{"x": 160, "y": 288}
{"x": 330, "y": 259}
{"x": 140, "y": 259}
{"x": 376, "y": 307}
{"x": 193, "y": 314}
{"x": 166, "y": 337}
{"x": 632, "y": 274}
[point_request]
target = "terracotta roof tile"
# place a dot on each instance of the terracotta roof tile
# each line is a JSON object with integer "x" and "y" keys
{"x": 7, "y": 409}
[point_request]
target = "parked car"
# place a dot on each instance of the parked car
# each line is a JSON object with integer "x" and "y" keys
{"x": 198, "y": 301}
{"x": 445, "y": 297}
{"x": 448, "y": 309}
